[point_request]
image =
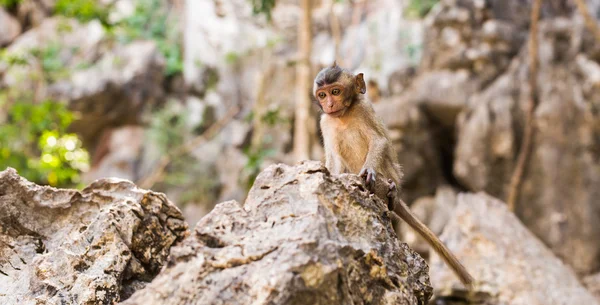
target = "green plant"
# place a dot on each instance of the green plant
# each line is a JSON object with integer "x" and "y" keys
{"x": 34, "y": 141}
{"x": 9, "y": 3}
{"x": 52, "y": 66}
{"x": 82, "y": 10}
{"x": 167, "y": 127}
{"x": 256, "y": 157}
{"x": 419, "y": 8}
{"x": 150, "y": 21}
{"x": 263, "y": 7}
{"x": 273, "y": 117}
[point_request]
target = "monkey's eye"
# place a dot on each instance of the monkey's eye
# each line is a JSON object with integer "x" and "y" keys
{"x": 321, "y": 94}
{"x": 335, "y": 91}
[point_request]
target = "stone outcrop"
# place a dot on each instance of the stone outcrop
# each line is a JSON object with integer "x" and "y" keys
{"x": 559, "y": 195}
{"x": 301, "y": 237}
{"x": 95, "y": 246}
{"x": 115, "y": 91}
{"x": 510, "y": 264}
{"x": 10, "y": 28}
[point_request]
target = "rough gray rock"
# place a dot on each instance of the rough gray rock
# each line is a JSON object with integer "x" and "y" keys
{"x": 32, "y": 13}
{"x": 61, "y": 246}
{"x": 510, "y": 264}
{"x": 435, "y": 212}
{"x": 302, "y": 237}
{"x": 65, "y": 40}
{"x": 559, "y": 195}
{"x": 592, "y": 283}
{"x": 116, "y": 90}
{"x": 414, "y": 140}
{"x": 10, "y": 28}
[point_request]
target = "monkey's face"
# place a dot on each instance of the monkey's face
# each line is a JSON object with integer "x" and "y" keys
{"x": 336, "y": 89}
{"x": 332, "y": 100}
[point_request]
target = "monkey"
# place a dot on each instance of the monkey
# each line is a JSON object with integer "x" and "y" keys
{"x": 356, "y": 141}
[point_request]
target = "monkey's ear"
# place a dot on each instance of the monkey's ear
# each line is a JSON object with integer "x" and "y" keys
{"x": 360, "y": 83}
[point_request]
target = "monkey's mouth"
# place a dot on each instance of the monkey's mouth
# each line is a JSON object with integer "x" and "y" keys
{"x": 336, "y": 113}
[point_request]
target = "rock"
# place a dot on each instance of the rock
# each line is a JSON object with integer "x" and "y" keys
{"x": 467, "y": 45}
{"x": 115, "y": 91}
{"x": 510, "y": 264}
{"x": 414, "y": 140}
{"x": 10, "y": 28}
{"x": 434, "y": 212}
{"x": 558, "y": 198}
{"x": 592, "y": 283}
{"x": 53, "y": 49}
{"x": 117, "y": 153}
{"x": 61, "y": 246}
{"x": 32, "y": 13}
{"x": 302, "y": 237}
{"x": 444, "y": 94}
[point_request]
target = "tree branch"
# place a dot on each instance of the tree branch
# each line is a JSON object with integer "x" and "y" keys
{"x": 517, "y": 177}
{"x": 590, "y": 21}
{"x": 159, "y": 172}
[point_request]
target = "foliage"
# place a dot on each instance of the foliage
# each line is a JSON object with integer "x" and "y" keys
{"x": 191, "y": 179}
{"x": 150, "y": 21}
{"x": 34, "y": 140}
{"x": 167, "y": 127}
{"x": 52, "y": 66}
{"x": 263, "y": 7}
{"x": 9, "y": 3}
{"x": 256, "y": 157}
{"x": 419, "y": 8}
{"x": 82, "y": 10}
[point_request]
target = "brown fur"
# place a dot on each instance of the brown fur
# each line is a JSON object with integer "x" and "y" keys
{"x": 356, "y": 141}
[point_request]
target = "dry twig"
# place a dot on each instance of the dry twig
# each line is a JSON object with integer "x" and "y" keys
{"x": 517, "y": 177}
{"x": 159, "y": 172}
{"x": 590, "y": 22}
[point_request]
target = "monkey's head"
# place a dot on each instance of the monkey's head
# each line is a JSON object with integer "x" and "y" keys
{"x": 336, "y": 89}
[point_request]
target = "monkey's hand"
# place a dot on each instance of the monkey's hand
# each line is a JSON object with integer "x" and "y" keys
{"x": 370, "y": 176}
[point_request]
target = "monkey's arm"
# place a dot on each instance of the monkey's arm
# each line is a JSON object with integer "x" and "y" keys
{"x": 333, "y": 164}
{"x": 374, "y": 160}
{"x": 332, "y": 160}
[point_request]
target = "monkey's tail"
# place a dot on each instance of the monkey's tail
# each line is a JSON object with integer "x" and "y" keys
{"x": 405, "y": 214}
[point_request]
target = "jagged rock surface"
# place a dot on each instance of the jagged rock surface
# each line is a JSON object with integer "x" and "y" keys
{"x": 559, "y": 195}
{"x": 9, "y": 27}
{"x": 302, "y": 237}
{"x": 97, "y": 246}
{"x": 510, "y": 264}
{"x": 116, "y": 90}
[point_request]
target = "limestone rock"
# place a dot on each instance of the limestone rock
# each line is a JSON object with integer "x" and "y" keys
{"x": 509, "y": 263}
{"x": 434, "y": 212}
{"x": 32, "y": 13}
{"x": 96, "y": 246}
{"x": 559, "y": 195}
{"x": 116, "y": 90}
{"x": 10, "y": 28}
{"x": 592, "y": 283}
{"x": 302, "y": 237}
{"x": 49, "y": 53}
{"x": 413, "y": 138}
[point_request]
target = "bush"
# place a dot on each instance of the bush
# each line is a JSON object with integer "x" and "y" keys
{"x": 34, "y": 141}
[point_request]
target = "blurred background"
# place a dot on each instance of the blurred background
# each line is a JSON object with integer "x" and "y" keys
{"x": 194, "y": 98}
